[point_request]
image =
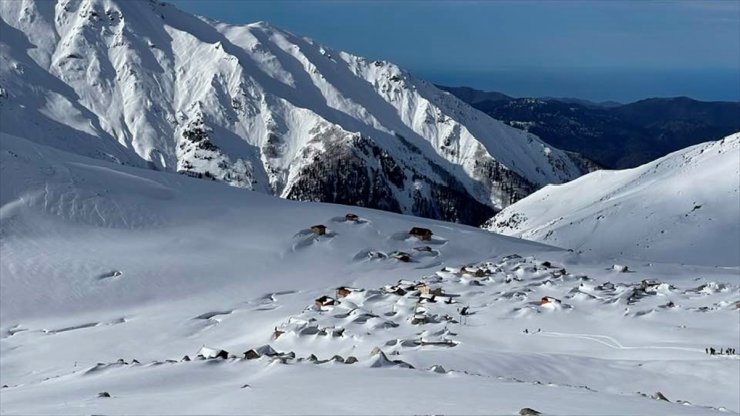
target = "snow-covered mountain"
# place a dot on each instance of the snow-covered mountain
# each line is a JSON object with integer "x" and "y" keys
{"x": 684, "y": 207}
{"x": 126, "y": 288}
{"x": 110, "y": 275}
{"x": 143, "y": 83}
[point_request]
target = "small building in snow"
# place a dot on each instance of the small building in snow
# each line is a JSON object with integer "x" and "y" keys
{"x": 251, "y": 355}
{"x": 423, "y": 288}
{"x": 318, "y": 229}
{"x": 549, "y": 299}
{"x": 343, "y": 292}
{"x": 419, "y": 319}
{"x": 206, "y": 352}
{"x": 337, "y": 332}
{"x": 620, "y": 268}
{"x": 401, "y": 256}
{"x": 423, "y": 234}
{"x": 396, "y": 290}
{"x": 325, "y": 301}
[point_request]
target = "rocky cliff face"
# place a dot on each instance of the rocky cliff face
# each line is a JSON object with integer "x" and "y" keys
{"x": 142, "y": 83}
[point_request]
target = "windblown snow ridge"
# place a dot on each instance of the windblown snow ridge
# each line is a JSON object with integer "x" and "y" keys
{"x": 140, "y": 82}
{"x": 684, "y": 207}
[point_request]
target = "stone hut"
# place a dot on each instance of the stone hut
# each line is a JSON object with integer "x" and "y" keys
{"x": 325, "y": 301}
{"x": 267, "y": 350}
{"x": 620, "y": 268}
{"x": 396, "y": 290}
{"x": 208, "y": 353}
{"x": 318, "y": 229}
{"x": 339, "y": 332}
{"x": 423, "y": 234}
{"x": 402, "y": 256}
{"x": 548, "y": 299}
{"x": 422, "y": 288}
{"x": 343, "y": 292}
{"x": 251, "y": 355}
{"x": 648, "y": 283}
{"x": 437, "y": 291}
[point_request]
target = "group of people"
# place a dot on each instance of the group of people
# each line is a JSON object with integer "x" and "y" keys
{"x": 721, "y": 351}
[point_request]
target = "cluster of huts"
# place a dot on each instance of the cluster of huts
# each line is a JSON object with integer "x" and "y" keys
{"x": 206, "y": 353}
{"x": 423, "y": 234}
{"x": 423, "y": 292}
{"x": 328, "y": 302}
{"x": 320, "y": 229}
{"x": 420, "y": 290}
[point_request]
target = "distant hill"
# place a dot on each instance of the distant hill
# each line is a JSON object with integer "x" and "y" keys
{"x": 473, "y": 96}
{"x": 585, "y": 103}
{"x": 616, "y": 136}
{"x": 680, "y": 208}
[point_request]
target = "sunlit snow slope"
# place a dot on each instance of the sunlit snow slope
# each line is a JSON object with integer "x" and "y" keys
{"x": 683, "y": 208}
{"x": 110, "y": 275}
{"x": 142, "y": 83}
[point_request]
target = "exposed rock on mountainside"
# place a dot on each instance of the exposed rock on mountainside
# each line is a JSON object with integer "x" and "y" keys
{"x": 142, "y": 83}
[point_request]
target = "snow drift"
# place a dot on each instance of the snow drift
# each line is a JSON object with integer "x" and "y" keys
{"x": 683, "y": 208}
{"x": 110, "y": 275}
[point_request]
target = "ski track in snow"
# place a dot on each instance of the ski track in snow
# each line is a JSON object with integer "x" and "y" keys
{"x": 612, "y": 343}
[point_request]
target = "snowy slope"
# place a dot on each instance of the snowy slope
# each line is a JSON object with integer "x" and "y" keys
{"x": 102, "y": 262}
{"x": 142, "y": 83}
{"x": 684, "y": 207}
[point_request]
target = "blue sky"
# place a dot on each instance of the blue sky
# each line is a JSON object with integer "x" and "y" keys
{"x": 607, "y": 49}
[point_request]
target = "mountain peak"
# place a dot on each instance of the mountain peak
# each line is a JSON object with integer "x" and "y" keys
{"x": 262, "y": 24}
{"x": 259, "y": 108}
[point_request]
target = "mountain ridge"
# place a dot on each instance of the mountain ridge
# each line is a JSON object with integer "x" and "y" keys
{"x": 256, "y": 107}
{"x": 661, "y": 211}
{"x": 615, "y": 136}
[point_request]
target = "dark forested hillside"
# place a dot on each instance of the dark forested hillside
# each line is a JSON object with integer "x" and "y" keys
{"x": 616, "y": 137}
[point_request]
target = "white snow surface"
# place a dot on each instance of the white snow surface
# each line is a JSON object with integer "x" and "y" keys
{"x": 111, "y": 271}
{"x": 681, "y": 208}
{"x": 122, "y": 80}
{"x": 102, "y": 262}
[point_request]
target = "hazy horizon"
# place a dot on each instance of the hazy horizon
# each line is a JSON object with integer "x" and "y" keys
{"x": 620, "y": 85}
